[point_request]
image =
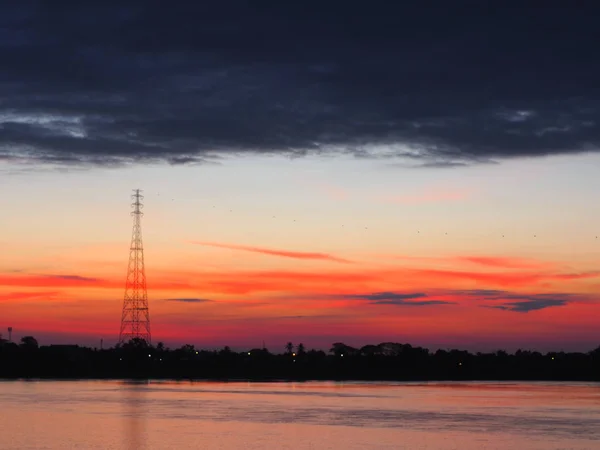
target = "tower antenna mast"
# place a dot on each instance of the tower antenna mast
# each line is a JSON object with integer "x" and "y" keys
{"x": 135, "y": 319}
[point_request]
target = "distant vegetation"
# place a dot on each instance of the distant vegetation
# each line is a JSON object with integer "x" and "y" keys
{"x": 386, "y": 361}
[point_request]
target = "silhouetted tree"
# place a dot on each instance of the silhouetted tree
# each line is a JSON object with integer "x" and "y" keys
{"x": 186, "y": 350}
{"x": 289, "y": 348}
{"x": 136, "y": 344}
{"x": 385, "y": 361}
{"x": 370, "y": 350}
{"x": 29, "y": 342}
{"x": 390, "y": 348}
{"x": 341, "y": 349}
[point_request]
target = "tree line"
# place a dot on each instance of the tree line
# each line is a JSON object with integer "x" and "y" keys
{"x": 386, "y": 361}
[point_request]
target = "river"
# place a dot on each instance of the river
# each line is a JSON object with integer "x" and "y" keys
{"x": 115, "y": 415}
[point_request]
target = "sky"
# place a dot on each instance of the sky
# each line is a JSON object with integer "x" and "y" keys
{"x": 317, "y": 173}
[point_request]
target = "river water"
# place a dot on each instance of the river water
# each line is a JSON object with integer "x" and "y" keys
{"x": 119, "y": 415}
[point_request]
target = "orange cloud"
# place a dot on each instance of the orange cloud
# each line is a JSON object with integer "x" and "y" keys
{"x": 351, "y": 281}
{"x": 273, "y": 252}
{"x": 77, "y": 282}
{"x": 488, "y": 261}
{"x": 504, "y": 279}
{"x": 504, "y": 262}
{"x": 235, "y": 282}
{"x": 10, "y": 296}
{"x": 301, "y": 284}
{"x": 28, "y": 280}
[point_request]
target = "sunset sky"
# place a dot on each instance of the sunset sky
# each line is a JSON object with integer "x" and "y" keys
{"x": 403, "y": 183}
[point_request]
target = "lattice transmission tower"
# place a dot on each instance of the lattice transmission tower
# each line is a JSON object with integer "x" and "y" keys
{"x": 135, "y": 319}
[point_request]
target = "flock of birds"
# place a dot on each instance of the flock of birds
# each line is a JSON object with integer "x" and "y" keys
{"x": 366, "y": 228}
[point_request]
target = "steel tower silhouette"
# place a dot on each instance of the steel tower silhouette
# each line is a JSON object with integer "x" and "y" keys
{"x": 135, "y": 319}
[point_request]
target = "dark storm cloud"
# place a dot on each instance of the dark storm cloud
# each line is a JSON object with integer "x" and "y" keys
{"x": 530, "y": 305}
{"x": 441, "y": 83}
{"x": 399, "y": 299}
{"x": 521, "y": 303}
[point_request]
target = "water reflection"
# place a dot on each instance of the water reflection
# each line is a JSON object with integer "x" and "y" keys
{"x": 118, "y": 415}
{"x": 135, "y": 413}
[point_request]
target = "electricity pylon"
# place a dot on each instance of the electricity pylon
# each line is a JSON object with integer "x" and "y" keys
{"x": 135, "y": 319}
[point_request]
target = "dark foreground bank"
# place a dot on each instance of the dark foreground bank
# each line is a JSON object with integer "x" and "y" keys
{"x": 387, "y": 361}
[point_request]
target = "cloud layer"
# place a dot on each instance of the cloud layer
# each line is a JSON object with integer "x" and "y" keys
{"x": 107, "y": 82}
{"x": 510, "y": 301}
{"x": 188, "y": 300}
{"x": 347, "y": 281}
{"x": 486, "y": 298}
{"x": 274, "y": 252}
{"x": 399, "y": 299}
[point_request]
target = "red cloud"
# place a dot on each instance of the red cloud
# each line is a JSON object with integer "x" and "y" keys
{"x": 504, "y": 279}
{"x": 322, "y": 319}
{"x": 295, "y": 282}
{"x": 508, "y": 263}
{"x": 272, "y": 252}
{"x": 489, "y": 261}
{"x": 26, "y": 295}
{"x": 341, "y": 282}
{"x": 51, "y": 281}
{"x": 75, "y": 281}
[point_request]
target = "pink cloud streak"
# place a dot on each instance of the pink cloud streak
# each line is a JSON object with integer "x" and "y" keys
{"x": 275, "y": 252}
